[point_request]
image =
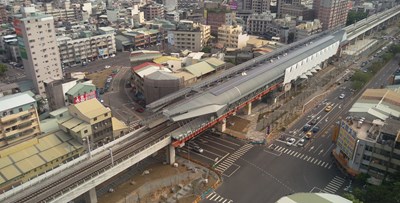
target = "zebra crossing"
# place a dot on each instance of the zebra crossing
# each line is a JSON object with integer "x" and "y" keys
{"x": 228, "y": 162}
{"x": 218, "y": 198}
{"x": 334, "y": 185}
{"x": 304, "y": 157}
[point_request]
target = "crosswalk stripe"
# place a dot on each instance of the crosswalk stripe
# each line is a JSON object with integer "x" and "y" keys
{"x": 230, "y": 201}
{"x": 217, "y": 198}
{"x": 281, "y": 149}
{"x": 291, "y": 153}
{"x": 326, "y": 164}
{"x": 285, "y": 150}
{"x": 302, "y": 155}
{"x": 330, "y": 166}
{"x": 209, "y": 195}
{"x": 224, "y": 201}
{"x": 311, "y": 159}
{"x": 319, "y": 162}
{"x": 215, "y": 195}
{"x": 329, "y": 191}
{"x": 298, "y": 155}
{"x": 315, "y": 161}
{"x": 306, "y": 157}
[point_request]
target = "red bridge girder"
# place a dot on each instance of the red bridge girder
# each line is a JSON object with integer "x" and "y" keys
{"x": 178, "y": 143}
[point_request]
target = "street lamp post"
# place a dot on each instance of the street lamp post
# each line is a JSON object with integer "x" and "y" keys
{"x": 112, "y": 158}
{"x": 88, "y": 145}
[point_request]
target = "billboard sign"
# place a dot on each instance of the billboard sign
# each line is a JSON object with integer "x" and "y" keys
{"x": 84, "y": 97}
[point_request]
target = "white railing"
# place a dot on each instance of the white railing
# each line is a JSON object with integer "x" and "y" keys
{"x": 65, "y": 166}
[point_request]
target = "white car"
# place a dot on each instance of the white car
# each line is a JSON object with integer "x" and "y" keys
{"x": 301, "y": 142}
{"x": 107, "y": 67}
{"x": 290, "y": 141}
{"x": 341, "y": 96}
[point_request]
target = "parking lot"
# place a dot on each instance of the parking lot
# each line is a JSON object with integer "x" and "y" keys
{"x": 215, "y": 150}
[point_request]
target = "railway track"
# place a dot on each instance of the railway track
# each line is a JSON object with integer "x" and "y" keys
{"x": 93, "y": 167}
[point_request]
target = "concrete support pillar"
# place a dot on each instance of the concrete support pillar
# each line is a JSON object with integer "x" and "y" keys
{"x": 91, "y": 196}
{"x": 221, "y": 127}
{"x": 248, "y": 109}
{"x": 170, "y": 154}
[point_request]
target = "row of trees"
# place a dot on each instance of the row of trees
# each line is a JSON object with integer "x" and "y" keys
{"x": 361, "y": 78}
{"x": 355, "y": 16}
{"x": 387, "y": 192}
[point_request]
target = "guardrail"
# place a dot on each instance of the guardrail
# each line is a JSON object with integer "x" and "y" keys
{"x": 85, "y": 185}
{"x": 65, "y": 166}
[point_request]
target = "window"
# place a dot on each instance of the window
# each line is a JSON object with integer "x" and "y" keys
{"x": 95, "y": 118}
{"x": 85, "y": 131}
{"x": 106, "y": 114}
{"x": 20, "y": 109}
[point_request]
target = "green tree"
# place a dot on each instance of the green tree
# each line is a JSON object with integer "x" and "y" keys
{"x": 352, "y": 198}
{"x": 387, "y": 57}
{"x": 362, "y": 178}
{"x": 375, "y": 67}
{"x": 355, "y": 16}
{"x": 206, "y": 49}
{"x": 3, "y": 69}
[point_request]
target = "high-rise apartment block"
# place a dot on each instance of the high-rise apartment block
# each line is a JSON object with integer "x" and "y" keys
{"x": 232, "y": 36}
{"x": 331, "y": 13}
{"x": 189, "y": 35}
{"x": 258, "y": 6}
{"x": 153, "y": 10}
{"x": 219, "y": 16}
{"x": 38, "y": 47}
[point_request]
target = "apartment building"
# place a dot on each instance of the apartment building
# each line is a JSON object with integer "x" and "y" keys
{"x": 232, "y": 36}
{"x": 331, "y": 13}
{"x": 258, "y": 6}
{"x": 368, "y": 140}
{"x": 307, "y": 29}
{"x": 67, "y": 12}
{"x": 9, "y": 43}
{"x": 88, "y": 122}
{"x": 143, "y": 37}
{"x": 87, "y": 47}
{"x": 189, "y": 35}
{"x": 219, "y": 16}
{"x": 38, "y": 47}
{"x": 298, "y": 11}
{"x": 265, "y": 25}
{"x": 19, "y": 120}
{"x": 153, "y": 10}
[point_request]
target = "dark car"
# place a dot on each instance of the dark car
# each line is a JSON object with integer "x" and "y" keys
{"x": 313, "y": 121}
{"x": 306, "y": 128}
{"x": 315, "y": 129}
{"x": 140, "y": 110}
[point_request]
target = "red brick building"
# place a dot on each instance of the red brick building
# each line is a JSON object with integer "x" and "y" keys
{"x": 331, "y": 13}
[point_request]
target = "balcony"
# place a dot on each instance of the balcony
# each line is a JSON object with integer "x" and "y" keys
{"x": 24, "y": 125}
{"x": 27, "y": 116}
{"x": 27, "y": 132}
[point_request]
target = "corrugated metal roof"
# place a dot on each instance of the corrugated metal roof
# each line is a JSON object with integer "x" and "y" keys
{"x": 91, "y": 108}
{"x": 15, "y": 100}
{"x": 160, "y": 75}
{"x": 81, "y": 88}
{"x": 214, "y": 62}
{"x": 27, "y": 152}
{"x": 49, "y": 147}
{"x": 184, "y": 74}
{"x": 199, "y": 69}
{"x": 117, "y": 124}
{"x": 30, "y": 163}
{"x": 10, "y": 172}
{"x": 164, "y": 59}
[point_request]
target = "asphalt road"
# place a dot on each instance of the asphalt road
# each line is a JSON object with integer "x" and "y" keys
{"x": 265, "y": 175}
{"x": 215, "y": 148}
{"x": 121, "y": 59}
